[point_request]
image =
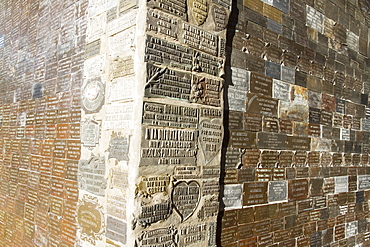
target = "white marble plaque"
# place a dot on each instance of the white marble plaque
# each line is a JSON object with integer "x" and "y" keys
{"x": 122, "y": 42}
{"x": 233, "y": 196}
{"x": 363, "y": 182}
{"x": 345, "y": 134}
{"x": 314, "y": 19}
{"x": 351, "y": 229}
{"x": 121, "y": 89}
{"x": 118, "y": 116}
{"x": 95, "y": 27}
{"x": 353, "y": 40}
{"x": 281, "y": 90}
{"x": 122, "y": 23}
{"x": 341, "y": 184}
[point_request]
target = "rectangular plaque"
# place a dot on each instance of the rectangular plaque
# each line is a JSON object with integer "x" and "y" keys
{"x": 281, "y": 90}
{"x": 253, "y": 122}
{"x": 255, "y": 193}
{"x": 277, "y": 191}
{"x": 242, "y": 139}
{"x": 273, "y": 70}
{"x": 298, "y": 189}
{"x": 271, "y": 140}
{"x": 232, "y": 196}
{"x": 260, "y": 84}
{"x": 261, "y": 104}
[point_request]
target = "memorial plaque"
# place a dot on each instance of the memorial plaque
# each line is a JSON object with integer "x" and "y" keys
{"x": 260, "y": 84}
{"x": 286, "y": 126}
{"x": 242, "y": 139}
{"x": 253, "y": 122}
{"x": 293, "y": 111}
{"x": 269, "y": 158}
{"x": 199, "y": 39}
{"x": 270, "y": 124}
{"x": 149, "y": 186}
{"x": 297, "y": 189}
{"x": 185, "y": 197}
{"x": 363, "y": 182}
{"x": 203, "y": 62}
{"x": 273, "y": 70}
{"x": 277, "y": 191}
{"x": 206, "y": 91}
{"x": 271, "y": 140}
{"x": 251, "y": 157}
{"x": 235, "y": 119}
{"x": 210, "y": 136}
{"x": 168, "y": 237}
{"x": 232, "y": 196}
{"x": 298, "y": 143}
{"x": 281, "y": 90}
{"x": 90, "y": 218}
{"x": 92, "y": 173}
{"x": 156, "y": 53}
{"x": 261, "y": 104}
{"x": 154, "y": 212}
{"x": 272, "y": 52}
{"x": 288, "y": 74}
{"x": 289, "y": 60}
{"x": 255, "y": 193}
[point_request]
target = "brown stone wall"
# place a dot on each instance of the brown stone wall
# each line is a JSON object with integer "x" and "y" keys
{"x": 296, "y": 150}
{"x": 41, "y": 56}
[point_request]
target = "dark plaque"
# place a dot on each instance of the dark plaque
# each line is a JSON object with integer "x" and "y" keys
{"x": 285, "y": 158}
{"x": 261, "y": 104}
{"x": 260, "y": 84}
{"x": 206, "y": 91}
{"x": 118, "y": 147}
{"x": 273, "y": 70}
{"x": 177, "y": 8}
{"x": 286, "y": 126}
{"x": 255, "y": 193}
{"x": 163, "y": 82}
{"x": 269, "y": 158}
{"x": 242, "y": 139}
{"x": 271, "y": 140}
{"x": 253, "y": 122}
{"x": 298, "y": 189}
{"x": 298, "y": 143}
{"x": 270, "y": 124}
{"x": 235, "y": 119}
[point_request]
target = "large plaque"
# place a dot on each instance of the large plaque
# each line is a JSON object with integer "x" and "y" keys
{"x": 271, "y": 140}
{"x": 261, "y": 104}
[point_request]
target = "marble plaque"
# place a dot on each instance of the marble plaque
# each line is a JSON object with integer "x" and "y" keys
{"x": 185, "y": 197}
{"x": 277, "y": 191}
{"x": 281, "y": 90}
{"x": 232, "y": 196}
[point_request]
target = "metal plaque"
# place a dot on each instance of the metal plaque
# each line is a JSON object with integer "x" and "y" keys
{"x": 281, "y": 90}
{"x": 298, "y": 189}
{"x": 242, "y": 139}
{"x": 260, "y": 84}
{"x": 273, "y": 70}
{"x": 261, "y": 104}
{"x": 253, "y": 122}
{"x": 255, "y": 193}
{"x": 271, "y": 140}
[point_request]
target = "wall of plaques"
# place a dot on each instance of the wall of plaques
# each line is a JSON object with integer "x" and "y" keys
{"x": 41, "y": 59}
{"x": 296, "y": 148}
{"x": 184, "y": 123}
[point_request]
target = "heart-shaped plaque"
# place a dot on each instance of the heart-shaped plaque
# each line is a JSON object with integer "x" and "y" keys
{"x": 210, "y": 134}
{"x": 219, "y": 17}
{"x": 185, "y": 198}
{"x": 199, "y": 10}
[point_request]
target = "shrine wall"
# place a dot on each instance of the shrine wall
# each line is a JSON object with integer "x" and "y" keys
{"x": 296, "y": 153}
{"x": 41, "y": 59}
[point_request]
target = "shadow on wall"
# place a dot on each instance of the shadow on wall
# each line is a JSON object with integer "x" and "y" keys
{"x": 233, "y": 20}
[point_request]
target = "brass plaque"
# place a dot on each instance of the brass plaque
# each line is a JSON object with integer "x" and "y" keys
{"x": 298, "y": 189}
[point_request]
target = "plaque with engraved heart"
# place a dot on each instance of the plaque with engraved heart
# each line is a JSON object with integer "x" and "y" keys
{"x": 185, "y": 198}
{"x": 210, "y": 135}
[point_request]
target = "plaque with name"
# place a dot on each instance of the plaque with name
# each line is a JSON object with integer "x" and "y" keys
{"x": 199, "y": 39}
{"x": 285, "y": 158}
{"x": 288, "y": 74}
{"x": 271, "y": 140}
{"x": 260, "y": 84}
{"x": 273, "y": 70}
{"x": 293, "y": 112}
{"x": 255, "y": 193}
{"x": 261, "y": 104}
{"x": 286, "y": 126}
{"x": 206, "y": 63}
{"x": 269, "y": 158}
{"x": 167, "y": 235}
{"x": 298, "y": 143}
{"x": 273, "y": 52}
{"x": 160, "y": 51}
{"x": 297, "y": 189}
{"x": 177, "y": 8}
{"x": 235, "y": 119}
{"x": 251, "y": 157}
{"x": 163, "y": 82}
{"x": 277, "y": 191}
{"x": 253, "y": 122}
{"x": 163, "y": 24}
{"x": 281, "y": 90}
{"x": 232, "y": 196}
{"x": 270, "y": 124}
{"x": 206, "y": 91}
{"x": 185, "y": 197}
{"x": 242, "y": 139}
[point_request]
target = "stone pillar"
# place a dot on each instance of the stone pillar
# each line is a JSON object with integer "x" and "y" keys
{"x": 152, "y": 127}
